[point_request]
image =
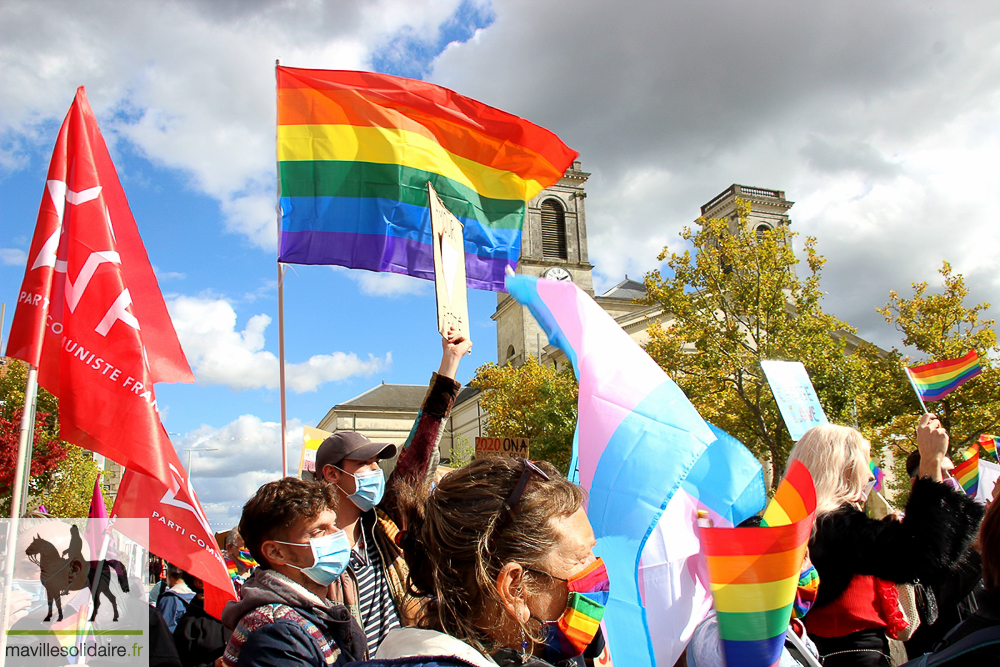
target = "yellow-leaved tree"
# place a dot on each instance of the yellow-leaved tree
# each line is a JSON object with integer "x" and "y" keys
{"x": 735, "y": 301}
{"x": 531, "y": 401}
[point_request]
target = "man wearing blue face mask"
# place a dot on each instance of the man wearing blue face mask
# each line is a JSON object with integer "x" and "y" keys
{"x": 374, "y": 585}
{"x": 284, "y": 615}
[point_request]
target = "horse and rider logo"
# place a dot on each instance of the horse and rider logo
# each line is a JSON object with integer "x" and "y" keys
{"x": 61, "y": 573}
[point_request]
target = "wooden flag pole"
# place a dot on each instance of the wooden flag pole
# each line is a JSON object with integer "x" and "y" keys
{"x": 915, "y": 390}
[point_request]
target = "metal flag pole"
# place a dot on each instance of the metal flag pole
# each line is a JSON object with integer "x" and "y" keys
{"x": 27, "y": 430}
{"x": 281, "y": 317}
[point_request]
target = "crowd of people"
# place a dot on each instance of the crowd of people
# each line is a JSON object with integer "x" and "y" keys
{"x": 493, "y": 564}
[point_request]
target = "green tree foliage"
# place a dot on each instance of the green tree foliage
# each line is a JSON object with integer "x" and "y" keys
{"x": 72, "y": 485}
{"x": 531, "y": 401}
{"x": 59, "y": 470}
{"x": 940, "y": 326}
{"x": 735, "y": 301}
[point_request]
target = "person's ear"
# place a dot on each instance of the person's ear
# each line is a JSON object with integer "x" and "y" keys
{"x": 273, "y": 553}
{"x": 330, "y": 473}
{"x": 512, "y": 596}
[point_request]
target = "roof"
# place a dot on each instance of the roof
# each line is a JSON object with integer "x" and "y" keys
{"x": 393, "y": 396}
{"x": 466, "y": 393}
{"x": 626, "y": 290}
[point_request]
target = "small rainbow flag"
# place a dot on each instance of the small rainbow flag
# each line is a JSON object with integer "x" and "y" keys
{"x": 935, "y": 381}
{"x": 967, "y": 470}
{"x": 878, "y": 474}
{"x": 357, "y": 149}
{"x": 754, "y": 572}
{"x": 989, "y": 444}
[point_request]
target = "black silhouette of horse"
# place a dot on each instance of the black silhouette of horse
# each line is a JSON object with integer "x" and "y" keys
{"x": 57, "y": 576}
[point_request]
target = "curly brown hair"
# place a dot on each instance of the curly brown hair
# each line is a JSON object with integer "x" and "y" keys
{"x": 455, "y": 543}
{"x": 278, "y": 505}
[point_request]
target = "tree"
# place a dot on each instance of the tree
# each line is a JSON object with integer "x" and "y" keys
{"x": 58, "y": 469}
{"x": 941, "y": 327}
{"x": 736, "y": 301}
{"x": 531, "y": 401}
{"x": 72, "y": 485}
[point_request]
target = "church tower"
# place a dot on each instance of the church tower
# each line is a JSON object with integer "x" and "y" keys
{"x": 553, "y": 245}
{"x": 768, "y": 208}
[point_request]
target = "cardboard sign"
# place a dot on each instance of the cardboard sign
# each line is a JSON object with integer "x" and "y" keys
{"x": 795, "y": 395}
{"x": 449, "y": 269}
{"x": 509, "y": 447}
{"x": 312, "y": 438}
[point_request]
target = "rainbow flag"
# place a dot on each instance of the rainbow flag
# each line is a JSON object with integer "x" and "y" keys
{"x": 935, "y": 381}
{"x": 878, "y": 474}
{"x": 967, "y": 470}
{"x": 989, "y": 444}
{"x": 357, "y": 149}
{"x": 754, "y": 572}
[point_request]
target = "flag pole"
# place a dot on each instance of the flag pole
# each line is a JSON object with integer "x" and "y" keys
{"x": 281, "y": 365}
{"x": 915, "y": 390}
{"x": 27, "y": 430}
{"x": 281, "y": 311}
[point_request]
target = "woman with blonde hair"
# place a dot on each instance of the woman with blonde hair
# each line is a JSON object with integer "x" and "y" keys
{"x": 857, "y": 558}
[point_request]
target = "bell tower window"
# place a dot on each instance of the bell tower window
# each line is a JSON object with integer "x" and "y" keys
{"x": 553, "y": 230}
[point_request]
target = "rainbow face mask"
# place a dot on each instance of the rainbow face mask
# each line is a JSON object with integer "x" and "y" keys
{"x": 807, "y": 589}
{"x": 571, "y": 634}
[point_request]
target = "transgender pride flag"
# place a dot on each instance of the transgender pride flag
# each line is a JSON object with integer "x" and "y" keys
{"x": 649, "y": 462}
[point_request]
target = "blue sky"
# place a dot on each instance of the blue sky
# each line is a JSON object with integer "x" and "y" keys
{"x": 879, "y": 121}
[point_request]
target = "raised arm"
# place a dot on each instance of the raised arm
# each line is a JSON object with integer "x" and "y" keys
{"x": 420, "y": 451}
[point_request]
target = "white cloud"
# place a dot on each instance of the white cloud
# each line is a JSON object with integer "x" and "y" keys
{"x": 13, "y": 257}
{"x": 390, "y": 285}
{"x": 190, "y": 84}
{"x": 219, "y": 353}
{"x": 246, "y": 454}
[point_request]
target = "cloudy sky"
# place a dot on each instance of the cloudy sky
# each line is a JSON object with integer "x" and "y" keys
{"x": 880, "y": 120}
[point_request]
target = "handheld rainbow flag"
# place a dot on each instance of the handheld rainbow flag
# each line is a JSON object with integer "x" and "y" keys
{"x": 357, "y": 149}
{"x": 967, "y": 470}
{"x": 879, "y": 476}
{"x": 754, "y": 572}
{"x": 934, "y": 381}
{"x": 989, "y": 444}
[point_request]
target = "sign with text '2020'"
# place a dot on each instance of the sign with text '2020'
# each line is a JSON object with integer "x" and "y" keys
{"x": 795, "y": 396}
{"x": 509, "y": 447}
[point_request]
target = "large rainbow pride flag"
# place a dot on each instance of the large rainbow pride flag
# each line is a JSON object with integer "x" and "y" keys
{"x": 935, "y": 381}
{"x": 754, "y": 572}
{"x": 357, "y": 149}
{"x": 649, "y": 462}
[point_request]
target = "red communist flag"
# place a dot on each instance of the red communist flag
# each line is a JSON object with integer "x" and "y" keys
{"x": 179, "y": 531}
{"x": 90, "y": 314}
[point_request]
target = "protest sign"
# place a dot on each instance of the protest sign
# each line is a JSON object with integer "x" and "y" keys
{"x": 795, "y": 396}
{"x": 312, "y": 438}
{"x": 509, "y": 447}
{"x": 989, "y": 473}
{"x": 449, "y": 269}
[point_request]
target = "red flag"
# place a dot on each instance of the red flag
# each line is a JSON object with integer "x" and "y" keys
{"x": 179, "y": 532}
{"x": 90, "y": 314}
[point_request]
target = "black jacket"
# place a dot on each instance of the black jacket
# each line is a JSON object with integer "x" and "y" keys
{"x": 937, "y": 529}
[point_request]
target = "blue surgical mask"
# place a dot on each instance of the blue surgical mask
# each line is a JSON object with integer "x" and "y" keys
{"x": 331, "y": 554}
{"x": 369, "y": 488}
